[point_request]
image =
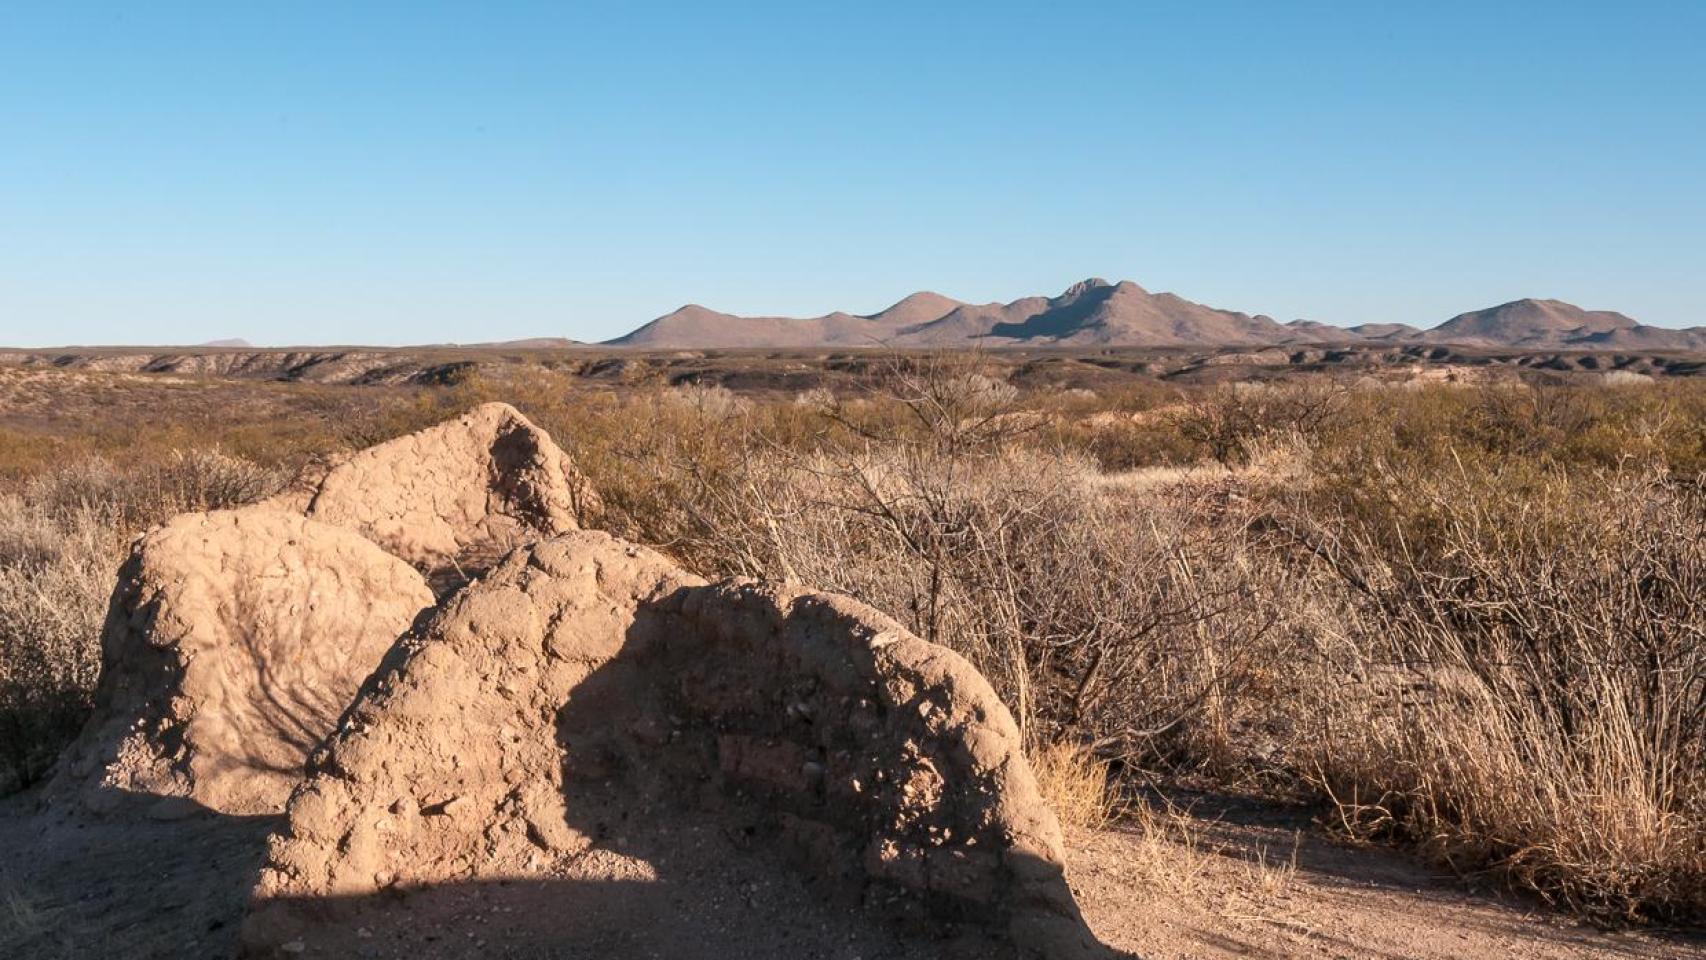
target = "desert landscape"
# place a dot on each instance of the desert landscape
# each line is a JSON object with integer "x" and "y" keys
{"x": 800, "y": 481}
{"x": 560, "y": 652}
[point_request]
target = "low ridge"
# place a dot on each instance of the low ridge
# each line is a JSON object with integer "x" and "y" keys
{"x": 1096, "y": 312}
{"x": 1529, "y": 322}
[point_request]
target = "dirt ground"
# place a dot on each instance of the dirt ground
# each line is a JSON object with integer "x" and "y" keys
{"x": 174, "y": 888}
{"x": 1261, "y": 881}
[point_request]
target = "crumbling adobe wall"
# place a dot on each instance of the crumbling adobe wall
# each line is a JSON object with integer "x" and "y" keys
{"x": 447, "y": 766}
{"x": 236, "y": 638}
{"x": 453, "y": 498}
{"x": 233, "y": 643}
{"x": 586, "y": 667}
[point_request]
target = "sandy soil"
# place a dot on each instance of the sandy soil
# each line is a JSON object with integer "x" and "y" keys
{"x": 1265, "y": 882}
{"x": 174, "y": 888}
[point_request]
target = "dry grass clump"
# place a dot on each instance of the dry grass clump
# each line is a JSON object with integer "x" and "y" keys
{"x": 1076, "y": 783}
{"x": 1172, "y": 852}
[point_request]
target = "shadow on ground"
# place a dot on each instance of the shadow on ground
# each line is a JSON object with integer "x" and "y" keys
{"x": 77, "y": 886}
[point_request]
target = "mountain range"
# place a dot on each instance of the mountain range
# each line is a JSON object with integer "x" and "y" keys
{"x": 1098, "y": 313}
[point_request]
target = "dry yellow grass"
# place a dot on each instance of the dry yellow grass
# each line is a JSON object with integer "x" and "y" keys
{"x": 1076, "y": 785}
{"x": 1172, "y": 853}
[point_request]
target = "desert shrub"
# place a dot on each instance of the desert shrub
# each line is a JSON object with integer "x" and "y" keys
{"x": 1121, "y": 624}
{"x": 667, "y": 463}
{"x": 55, "y": 577}
{"x": 337, "y": 419}
{"x": 1441, "y": 428}
{"x": 24, "y": 454}
{"x": 1223, "y": 423}
{"x": 1533, "y": 659}
{"x": 138, "y": 496}
{"x": 710, "y": 401}
{"x": 1118, "y": 439}
{"x": 1120, "y": 429}
{"x": 1519, "y": 579}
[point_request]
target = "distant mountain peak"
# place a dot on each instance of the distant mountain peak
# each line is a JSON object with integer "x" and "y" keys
{"x": 1085, "y": 286}
{"x": 915, "y": 308}
{"x": 925, "y": 296}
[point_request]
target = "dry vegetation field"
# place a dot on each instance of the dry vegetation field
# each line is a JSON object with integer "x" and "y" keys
{"x": 1465, "y": 621}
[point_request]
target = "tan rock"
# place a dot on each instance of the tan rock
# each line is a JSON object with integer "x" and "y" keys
{"x": 233, "y": 643}
{"x": 453, "y": 498}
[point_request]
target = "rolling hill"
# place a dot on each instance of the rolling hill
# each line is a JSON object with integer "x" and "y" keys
{"x": 1555, "y": 324}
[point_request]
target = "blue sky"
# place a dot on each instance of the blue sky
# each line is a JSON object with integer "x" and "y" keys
{"x": 421, "y": 172}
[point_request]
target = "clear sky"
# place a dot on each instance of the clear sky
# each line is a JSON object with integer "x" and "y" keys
{"x": 299, "y": 172}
